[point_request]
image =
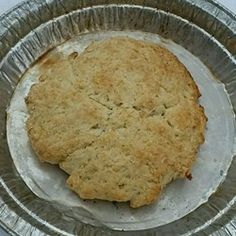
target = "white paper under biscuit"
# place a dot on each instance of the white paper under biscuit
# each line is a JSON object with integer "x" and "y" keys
{"x": 180, "y": 197}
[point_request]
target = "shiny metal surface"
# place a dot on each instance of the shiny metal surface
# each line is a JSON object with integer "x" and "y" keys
{"x": 202, "y": 27}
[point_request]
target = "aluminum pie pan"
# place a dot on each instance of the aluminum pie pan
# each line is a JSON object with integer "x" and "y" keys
{"x": 28, "y": 210}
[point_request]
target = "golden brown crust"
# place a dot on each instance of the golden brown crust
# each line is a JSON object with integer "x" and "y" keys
{"x": 122, "y": 119}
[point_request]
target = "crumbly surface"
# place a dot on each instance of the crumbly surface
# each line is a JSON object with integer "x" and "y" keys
{"x": 122, "y": 119}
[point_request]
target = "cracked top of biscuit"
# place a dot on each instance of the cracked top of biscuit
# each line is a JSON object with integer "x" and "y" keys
{"x": 122, "y": 119}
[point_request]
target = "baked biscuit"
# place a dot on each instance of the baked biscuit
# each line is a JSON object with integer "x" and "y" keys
{"x": 122, "y": 119}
